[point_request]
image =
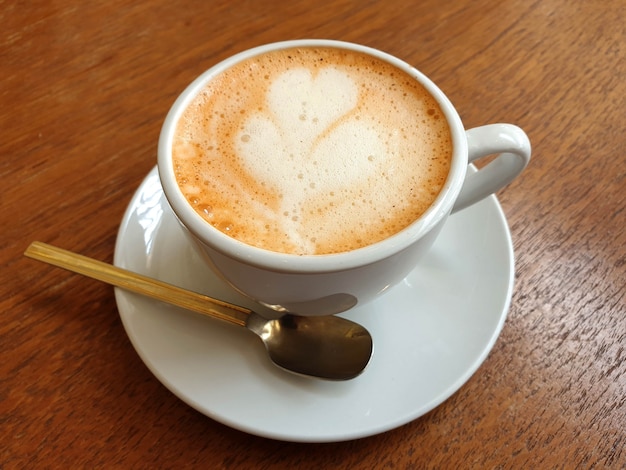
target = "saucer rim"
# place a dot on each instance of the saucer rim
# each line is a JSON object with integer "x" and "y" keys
{"x": 485, "y": 347}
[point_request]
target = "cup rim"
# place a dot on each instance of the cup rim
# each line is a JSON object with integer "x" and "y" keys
{"x": 294, "y": 263}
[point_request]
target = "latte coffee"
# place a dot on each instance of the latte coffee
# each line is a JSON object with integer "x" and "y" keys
{"x": 312, "y": 150}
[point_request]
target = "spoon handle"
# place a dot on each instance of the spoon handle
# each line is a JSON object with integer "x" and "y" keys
{"x": 138, "y": 283}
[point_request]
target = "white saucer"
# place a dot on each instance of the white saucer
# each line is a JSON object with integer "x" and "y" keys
{"x": 430, "y": 333}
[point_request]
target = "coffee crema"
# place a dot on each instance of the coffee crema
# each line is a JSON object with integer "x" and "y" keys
{"x": 312, "y": 150}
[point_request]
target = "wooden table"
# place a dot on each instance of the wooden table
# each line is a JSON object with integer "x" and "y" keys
{"x": 84, "y": 92}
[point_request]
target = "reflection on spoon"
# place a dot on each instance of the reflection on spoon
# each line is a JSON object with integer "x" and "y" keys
{"x": 326, "y": 347}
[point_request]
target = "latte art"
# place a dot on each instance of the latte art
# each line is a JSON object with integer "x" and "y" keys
{"x": 312, "y": 151}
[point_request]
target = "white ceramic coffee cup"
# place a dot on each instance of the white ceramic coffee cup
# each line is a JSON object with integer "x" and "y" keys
{"x": 332, "y": 283}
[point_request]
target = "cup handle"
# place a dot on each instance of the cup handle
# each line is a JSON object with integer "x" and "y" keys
{"x": 513, "y": 147}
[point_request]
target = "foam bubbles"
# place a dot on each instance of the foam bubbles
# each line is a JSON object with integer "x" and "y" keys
{"x": 313, "y": 154}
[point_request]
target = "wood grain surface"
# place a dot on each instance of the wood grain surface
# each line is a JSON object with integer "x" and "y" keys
{"x": 84, "y": 90}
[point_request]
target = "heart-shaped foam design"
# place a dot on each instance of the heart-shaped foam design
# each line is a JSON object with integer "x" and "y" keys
{"x": 312, "y": 151}
{"x": 310, "y": 140}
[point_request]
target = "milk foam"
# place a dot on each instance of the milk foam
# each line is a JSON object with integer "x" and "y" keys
{"x": 312, "y": 151}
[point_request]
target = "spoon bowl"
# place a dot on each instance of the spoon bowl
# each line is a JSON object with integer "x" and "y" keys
{"x": 326, "y": 347}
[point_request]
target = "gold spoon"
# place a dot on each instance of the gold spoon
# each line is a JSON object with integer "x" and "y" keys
{"x": 326, "y": 347}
